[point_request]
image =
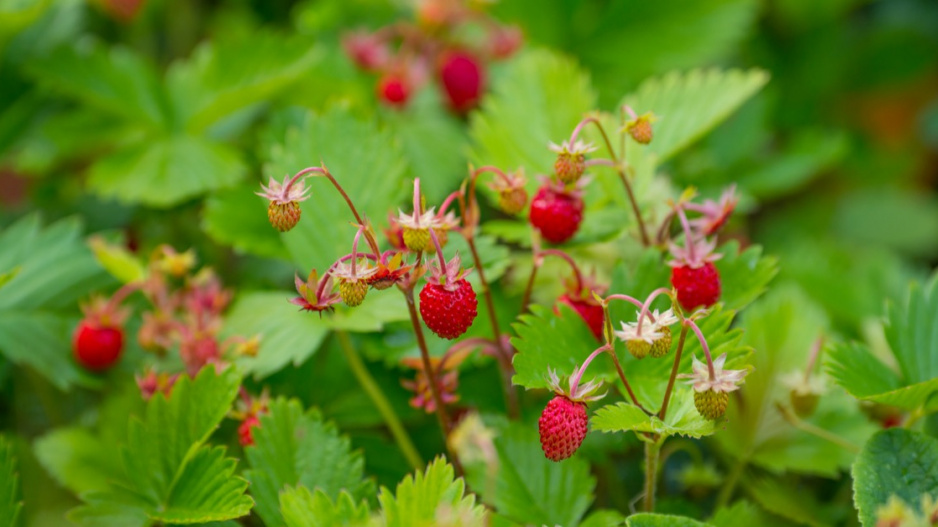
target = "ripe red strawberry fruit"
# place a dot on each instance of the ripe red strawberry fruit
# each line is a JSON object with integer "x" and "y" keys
{"x": 393, "y": 90}
{"x": 696, "y": 286}
{"x": 563, "y": 425}
{"x": 448, "y": 310}
{"x": 97, "y": 347}
{"x": 556, "y": 212}
{"x": 591, "y": 312}
{"x": 462, "y": 78}
{"x": 246, "y": 430}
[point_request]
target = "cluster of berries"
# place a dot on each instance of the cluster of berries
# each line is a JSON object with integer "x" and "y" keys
{"x": 404, "y": 53}
{"x": 186, "y": 314}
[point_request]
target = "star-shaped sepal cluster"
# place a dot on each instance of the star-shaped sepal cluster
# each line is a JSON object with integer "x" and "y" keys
{"x": 417, "y": 228}
{"x": 315, "y": 293}
{"x": 653, "y": 338}
{"x": 711, "y": 394}
{"x": 353, "y": 280}
{"x": 714, "y": 214}
{"x": 571, "y": 160}
{"x": 389, "y": 272}
{"x": 284, "y": 208}
{"x": 512, "y": 195}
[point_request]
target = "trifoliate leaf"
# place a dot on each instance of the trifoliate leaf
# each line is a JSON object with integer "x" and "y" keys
{"x": 223, "y": 77}
{"x": 433, "y": 497}
{"x": 166, "y": 171}
{"x": 689, "y": 105}
{"x": 287, "y": 334}
{"x": 301, "y": 507}
{"x": 528, "y": 488}
{"x": 9, "y": 484}
{"x": 744, "y": 275}
{"x": 646, "y": 519}
{"x": 539, "y": 100}
{"x": 681, "y": 419}
{"x": 366, "y": 161}
{"x": 50, "y": 269}
{"x": 894, "y": 462}
{"x": 914, "y": 345}
{"x": 169, "y": 474}
{"x": 296, "y": 448}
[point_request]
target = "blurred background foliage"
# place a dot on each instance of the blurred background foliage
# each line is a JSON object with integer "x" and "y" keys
{"x": 146, "y": 127}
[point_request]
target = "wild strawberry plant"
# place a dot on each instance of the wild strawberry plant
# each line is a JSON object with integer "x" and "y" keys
{"x": 489, "y": 289}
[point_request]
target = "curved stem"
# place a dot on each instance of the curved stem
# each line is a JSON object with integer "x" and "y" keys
{"x": 122, "y": 293}
{"x": 664, "y": 228}
{"x": 377, "y": 396}
{"x": 369, "y": 236}
{"x": 703, "y": 344}
{"x": 358, "y": 235}
{"x": 627, "y": 298}
{"x": 439, "y": 251}
{"x": 816, "y": 430}
{"x": 677, "y": 364}
{"x": 644, "y": 312}
{"x": 529, "y": 288}
{"x": 688, "y": 237}
{"x": 812, "y": 359}
{"x": 575, "y": 381}
{"x": 428, "y": 370}
{"x": 625, "y": 382}
{"x": 600, "y": 162}
{"x": 446, "y": 203}
{"x": 566, "y": 257}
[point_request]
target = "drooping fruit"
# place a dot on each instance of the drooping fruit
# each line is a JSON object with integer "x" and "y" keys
{"x": 463, "y": 78}
{"x": 97, "y": 347}
{"x": 556, "y": 213}
{"x": 448, "y": 309}
{"x": 393, "y": 91}
{"x": 711, "y": 404}
{"x": 696, "y": 286}
{"x": 562, "y": 426}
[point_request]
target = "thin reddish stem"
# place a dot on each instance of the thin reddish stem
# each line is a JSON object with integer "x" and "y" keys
{"x": 644, "y": 312}
{"x": 566, "y": 257}
{"x": 627, "y": 298}
{"x": 688, "y": 237}
{"x": 439, "y": 251}
{"x": 575, "y": 381}
{"x": 677, "y": 364}
{"x": 446, "y": 203}
{"x": 703, "y": 344}
{"x": 358, "y": 234}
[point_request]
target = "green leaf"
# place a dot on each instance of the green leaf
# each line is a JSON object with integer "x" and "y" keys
{"x": 780, "y": 497}
{"x": 296, "y": 448}
{"x": 302, "y": 508}
{"x": 169, "y": 474}
{"x": 690, "y": 104}
{"x": 740, "y": 513}
{"x": 894, "y": 462}
{"x": 645, "y": 519}
{"x": 166, "y": 171}
{"x": 914, "y": 345}
{"x": 50, "y": 269}
{"x": 547, "y": 341}
{"x": 9, "y": 484}
{"x": 604, "y": 518}
{"x": 528, "y": 488}
{"x": 114, "y": 80}
{"x": 682, "y": 418}
{"x": 366, "y": 161}
{"x": 288, "y": 335}
{"x": 429, "y": 498}
{"x": 77, "y": 460}
{"x": 118, "y": 261}
{"x": 221, "y": 78}
{"x": 539, "y": 100}
{"x": 744, "y": 275}
{"x": 234, "y": 217}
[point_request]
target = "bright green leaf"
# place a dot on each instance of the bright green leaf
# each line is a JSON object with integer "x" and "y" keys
{"x": 429, "y": 498}
{"x": 302, "y": 508}
{"x": 166, "y": 171}
{"x": 644, "y": 519}
{"x": 548, "y": 341}
{"x": 296, "y": 448}
{"x": 118, "y": 261}
{"x": 745, "y": 275}
{"x": 77, "y": 460}
{"x": 604, "y": 518}
{"x": 682, "y": 418}
{"x": 894, "y": 462}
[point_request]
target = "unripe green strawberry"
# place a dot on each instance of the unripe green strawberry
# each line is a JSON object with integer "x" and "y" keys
{"x": 804, "y": 403}
{"x": 353, "y": 292}
{"x": 512, "y": 201}
{"x": 641, "y": 130}
{"x": 662, "y": 345}
{"x": 569, "y": 167}
{"x": 417, "y": 240}
{"x": 638, "y": 348}
{"x": 711, "y": 404}
{"x": 284, "y": 216}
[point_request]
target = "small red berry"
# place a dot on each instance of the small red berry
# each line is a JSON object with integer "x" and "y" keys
{"x": 246, "y": 430}
{"x": 448, "y": 310}
{"x": 696, "y": 286}
{"x": 562, "y": 426}
{"x": 556, "y": 213}
{"x": 393, "y": 91}
{"x": 97, "y": 347}
{"x": 462, "y": 78}
{"x": 591, "y": 312}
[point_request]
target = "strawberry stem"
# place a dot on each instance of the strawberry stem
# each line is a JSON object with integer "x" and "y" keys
{"x": 358, "y": 234}
{"x": 627, "y": 298}
{"x": 323, "y": 171}
{"x": 812, "y": 359}
{"x": 566, "y": 257}
{"x": 652, "y": 449}
{"x": 439, "y": 253}
{"x": 575, "y": 380}
{"x": 688, "y": 237}
{"x": 644, "y": 312}
{"x": 703, "y": 344}
{"x": 677, "y": 364}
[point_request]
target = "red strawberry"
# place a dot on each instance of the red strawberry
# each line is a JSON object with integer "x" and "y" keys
{"x": 393, "y": 90}
{"x": 448, "y": 311}
{"x": 591, "y": 312}
{"x": 462, "y": 78}
{"x": 563, "y": 426}
{"x": 557, "y": 213}
{"x": 696, "y": 286}
{"x": 97, "y": 347}
{"x": 246, "y": 430}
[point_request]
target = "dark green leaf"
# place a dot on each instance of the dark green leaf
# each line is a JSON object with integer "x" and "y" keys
{"x": 644, "y": 519}
{"x": 9, "y": 484}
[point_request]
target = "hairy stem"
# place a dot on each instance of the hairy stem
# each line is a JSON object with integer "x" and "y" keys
{"x": 652, "y": 449}
{"x": 367, "y": 382}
